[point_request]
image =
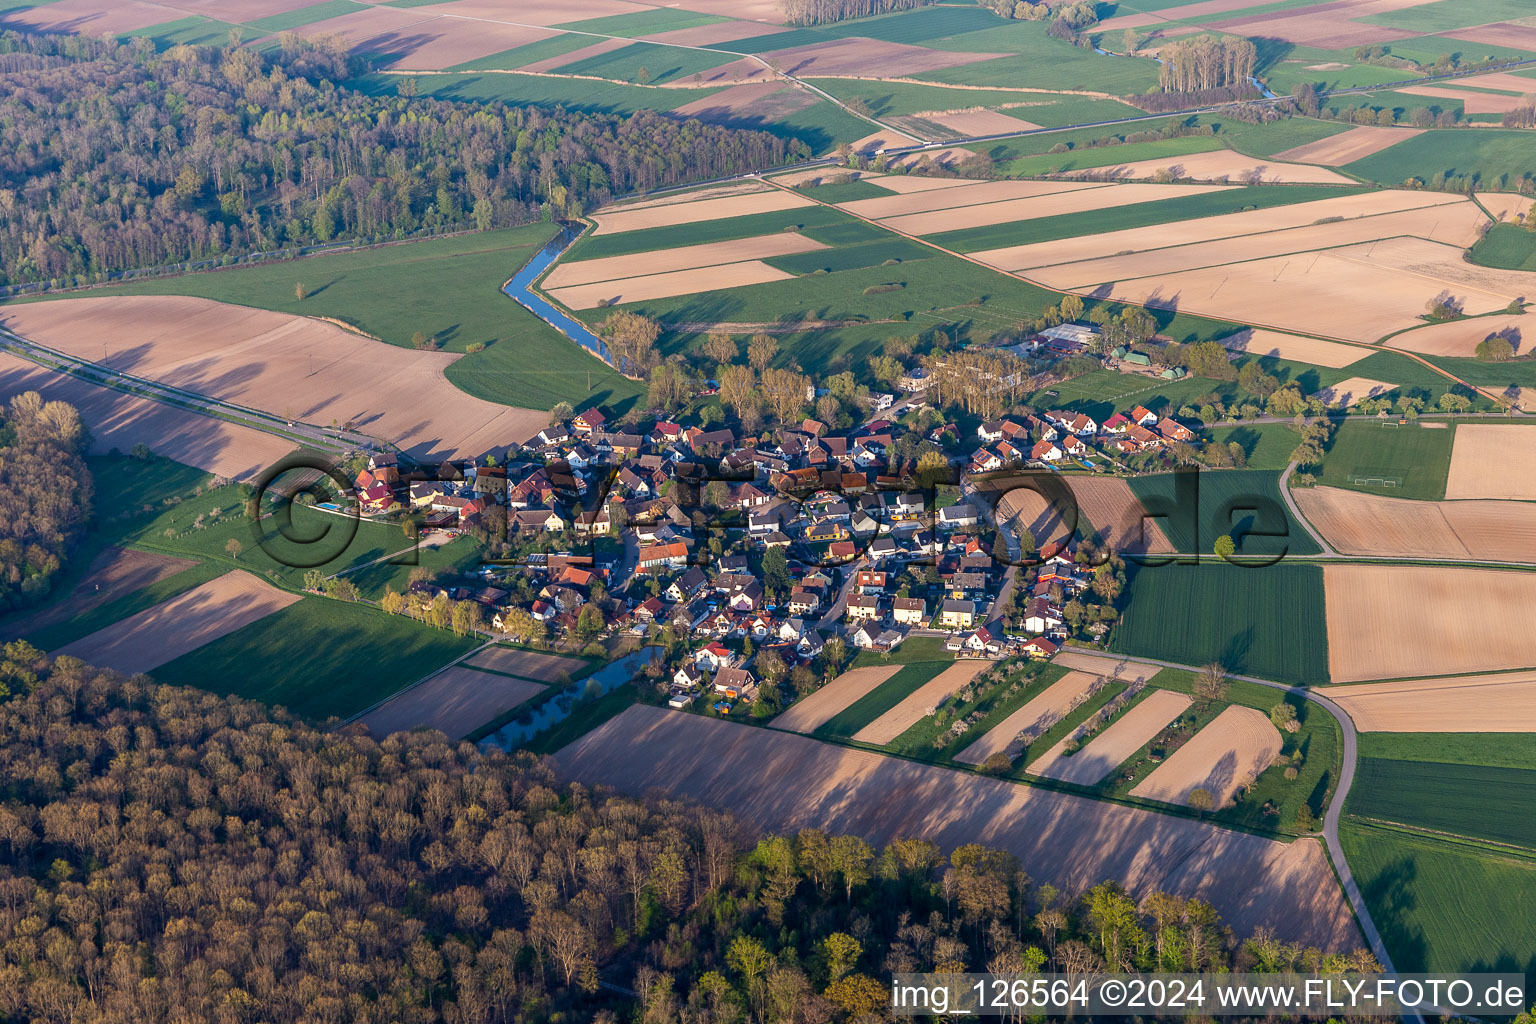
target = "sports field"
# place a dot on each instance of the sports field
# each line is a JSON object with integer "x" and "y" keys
{"x": 1404, "y": 461}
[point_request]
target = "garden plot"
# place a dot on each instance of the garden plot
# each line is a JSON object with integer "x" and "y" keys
{"x": 812, "y": 712}
{"x": 1398, "y": 621}
{"x": 1124, "y": 736}
{"x": 1373, "y": 525}
{"x": 1046, "y": 709}
{"x": 1460, "y": 338}
{"x": 456, "y": 701}
{"x": 513, "y": 661}
{"x": 1504, "y": 702}
{"x": 1293, "y": 347}
{"x": 690, "y": 257}
{"x": 1347, "y": 147}
{"x": 620, "y": 218}
{"x": 183, "y": 624}
{"x": 917, "y": 704}
{"x": 1493, "y": 461}
{"x": 781, "y": 782}
{"x": 1222, "y": 758}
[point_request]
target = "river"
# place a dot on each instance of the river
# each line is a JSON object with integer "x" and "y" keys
{"x": 520, "y": 288}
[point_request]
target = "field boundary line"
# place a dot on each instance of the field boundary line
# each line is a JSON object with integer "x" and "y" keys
{"x": 1441, "y": 834}
{"x": 430, "y": 675}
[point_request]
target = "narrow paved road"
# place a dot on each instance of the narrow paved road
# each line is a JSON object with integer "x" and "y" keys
{"x": 1290, "y": 503}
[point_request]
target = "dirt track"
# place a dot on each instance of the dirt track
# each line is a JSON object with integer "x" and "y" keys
{"x": 782, "y": 782}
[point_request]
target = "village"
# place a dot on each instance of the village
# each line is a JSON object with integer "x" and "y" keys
{"x": 766, "y": 566}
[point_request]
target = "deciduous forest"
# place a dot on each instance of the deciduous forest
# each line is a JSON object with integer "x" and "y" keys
{"x": 45, "y": 494}
{"x": 118, "y": 157}
{"x": 170, "y": 855}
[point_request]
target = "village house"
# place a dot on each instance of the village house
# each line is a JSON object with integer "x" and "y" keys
{"x": 663, "y": 556}
{"x": 713, "y": 657}
{"x": 735, "y": 683}
{"x": 957, "y": 614}
{"x": 864, "y": 608}
{"x": 909, "y": 611}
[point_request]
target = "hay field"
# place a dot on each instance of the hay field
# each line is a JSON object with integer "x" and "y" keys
{"x": 688, "y": 257}
{"x": 1105, "y": 665}
{"x": 1504, "y": 702}
{"x": 1044, "y": 710}
{"x": 1122, "y": 738}
{"x": 1073, "y": 843}
{"x": 1111, "y": 508}
{"x": 1222, "y": 165}
{"x": 662, "y": 286}
{"x": 620, "y": 218}
{"x": 810, "y": 713}
{"x": 528, "y": 664}
{"x": 1352, "y": 391}
{"x": 184, "y": 623}
{"x": 456, "y": 701}
{"x": 1492, "y": 461}
{"x": 120, "y": 421}
{"x": 914, "y": 706}
{"x": 1347, "y": 147}
{"x": 1053, "y": 205}
{"x": 1259, "y": 342}
{"x": 962, "y": 192}
{"x": 1225, "y": 756}
{"x": 1460, "y": 338}
{"x": 1397, "y": 621}
{"x": 292, "y": 367}
{"x": 1356, "y": 523}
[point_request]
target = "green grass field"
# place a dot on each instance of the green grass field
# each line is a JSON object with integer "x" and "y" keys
{"x": 1402, "y": 461}
{"x": 1477, "y": 801}
{"x": 1102, "y": 393}
{"x": 881, "y": 699}
{"x": 898, "y": 99}
{"x": 852, "y": 257}
{"x": 653, "y": 62}
{"x": 318, "y": 658}
{"x": 1108, "y": 156}
{"x": 1442, "y": 906}
{"x": 625, "y": 243}
{"x": 1508, "y": 247}
{"x": 845, "y": 192}
{"x": 529, "y": 53}
{"x": 1448, "y": 15}
{"x": 1265, "y": 140}
{"x": 1496, "y": 750}
{"x": 1500, "y": 158}
{"x": 1164, "y": 211}
{"x": 1245, "y": 503}
{"x": 1267, "y": 445}
{"x": 446, "y": 287}
{"x": 1262, "y": 622}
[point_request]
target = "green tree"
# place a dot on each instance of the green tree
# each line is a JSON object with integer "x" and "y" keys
{"x": 776, "y": 576}
{"x": 1225, "y": 546}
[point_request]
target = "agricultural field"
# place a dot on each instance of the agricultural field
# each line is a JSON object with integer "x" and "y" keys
{"x": 1406, "y": 461}
{"x": 890, "y": 694}
{"x": 1368, "y": 524}
{"x": 1457, "y": 708}
{"x": 1267, "y": 446}
{"x": 1508, "y": 247}
{"x": 1247, "y": 619}
{"x": 915, "y": 705}
{"x": 1225, "y": 756}
{"x": 456, "y": 701}
{"x": 1244, "y": 504}
{"x": 1470, "y": 801}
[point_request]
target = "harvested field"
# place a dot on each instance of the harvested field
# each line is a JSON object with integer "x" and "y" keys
{"x": 810, "y": 713}
{"x": 660, "y": 286}
{"x": 181, "y": 625}
{"x": 908, "y": 183}
{"x": 1202, "y": 9}
{"x": 120, "y": 421}
{"x": 1328, "y": 26}
{"x": 1506, "y": 207}
{"x": 1031, "y": 207}
{"x": 819, "y": 175}
{"x": 456, "y": 701}
{"x": 546, "y": 668}
{"x": 541, "y": 13}
{"x": 964, "y": 193}
{"x": 597, "y": 49}
{"x": 1501, "y": 81}
{"x": 690, "y": 257}
{"x": 1046, "y": 709}
{"x": 1473, "y": 102}
{"x": 447, "y": 42}
{"x": 1109, "y": 506}
{"x": 1347, "y": 147}
{"x": 1506, "y": 34}
{"x": 708, "y": 35}
{"x": 1352, "y": 391}
{"x": 89, "y": 17}
{"x": 1123, "y": 737}
{"x": 114, "y": 573}
{"x": 1492, "y": 461}
{"x": 764, "y": 100}
{"x": 968, "y": 123}
{"x": 1397, "y": 621}
{"x": 914, "y": 707}
{"x": 734, "y": 188}
{"x": 1025, "y": 509}
{"x": 1217, "y": 165}
{"x": 1369, "y": 524}
{"x": 1502, "y": 702}
{"x": 770, "y": 11}
{"x": 293, "y": 367}
{"x": 1206, "y": 229}
{"x": 619, "y": 219}
{"x": 886, "y": 138}
{"x": 1070, "y": 842}
{"x": 1258, "y": 342}
{"x": 946, "y": 157}
{"x": 239, "y": 10}
{"x": 1460, "y": 338}
{"x": 860, "y": 57}
{"x": 1222, "y": 758}
{"x": 1106, "y": 665}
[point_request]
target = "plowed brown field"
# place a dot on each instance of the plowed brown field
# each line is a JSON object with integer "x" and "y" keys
{"x": 1369, "y": 524}
{"x": 1222, "y": 758}
{"x": 1460, "y": 338}
{"x": 690, "y": 257}
{"x": 1505, "y": 702}
{"x": 1492, "y": 461}
{"x": 456, "y": 701}
{"x": 1114, "y": 511}
{"x": 1217, "y": 165}
{"x": 810, "y": 713}
{"x": 1347, "y": 147}
{"x": 619, "y": 218}
{"x": 914, "y": 706}
{"x": 678, "y": 282}
{"x": 1260, "y": 342}
{"x": 528, "y": 664}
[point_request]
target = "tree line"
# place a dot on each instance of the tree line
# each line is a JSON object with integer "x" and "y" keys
{"x": 46, "y": 493}
{"x": 1202, "y": 63}
{"x": 173, "y": 855}
{"x": 119, "y": 158}
{"x": 822, "y": 12}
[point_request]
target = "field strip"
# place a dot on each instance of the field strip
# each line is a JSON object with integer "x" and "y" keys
{"x": 1117, "y": 515}
{"x": 688, "y": 257}
{"x": 1106, "y": 665}
{"x": 782, "y": 783}
{"x": 661, "y": 286}
{"x": 907, "y": 183}
{"x": 810, "y": 713}
{"x": 1352, "y": 391}
{"x": 1349, "y": 146}
{"x": 1397, "y": 621}
{"x": 968, "y": 193}
{"x": 1492, "y": 461}
{"x": 1262, "y": 343}
{"x": 1032, "y": 207}
{"x": 527, "y": 664}
{"x": 1496, "y": 702}
{"x": 184, "y": 623}
{"x": 1250, "y": 223}
{"x": 1119, "y": 740}
{"x": 914, "y": 706}
{"x": 618, "y": 220}
{"x": 1222, "y": 758}
{"x": 734, "y": 188}
{"x": 456, "y": 701}
{"x": 1045, "y": 709}
{"x": 1378, "y": 526}
{"x": 1460, "y": 338}
{"x": 1217, "y": 165}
